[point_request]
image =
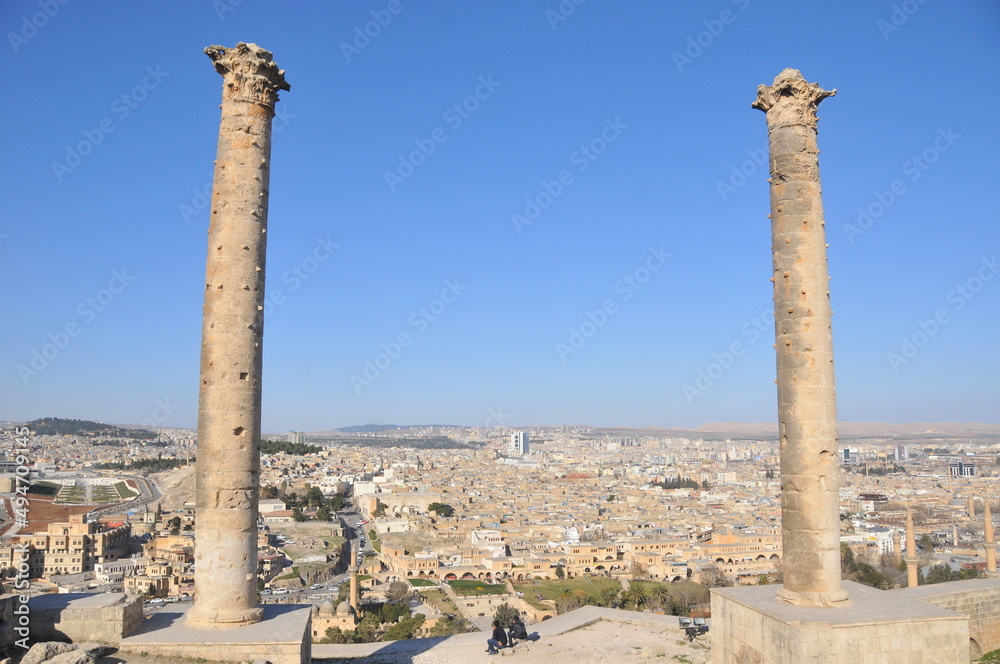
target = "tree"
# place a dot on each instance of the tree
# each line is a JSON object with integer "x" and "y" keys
{"x": 713, "y": 577}
{"x": 560, "y": 572}
{"x": 448, "y": 626}
{"x": 506, "y": 615}
{"x": 636, "y": 595}
{"x": 297, "y": 515}
{"x": 846, "y": 559}
{"x": 639, "y": 570}
{"x": 404, "y": 629}
{"x": 943, "y": 573}
{"x": 323, "y": 513}
{"x": 398, "y": 592}
{"x": 926, "y": 543}
{"x": 609, "y": 597}
{"x": 441, "y": 509}
{"x": 661, "y": 594}
{"x": 175, "y": 525}
{"x": 337, "y": 635}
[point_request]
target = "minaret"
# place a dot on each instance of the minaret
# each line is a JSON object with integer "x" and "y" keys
{"x": 912, "y": 577}
{"x": 354, "y": 579}
{"x": 954, "y": 535}
{"x": 991, "y": 544}
{"x": 227, "y": 474}
{"x": 807, "y": 399}
{"x": 897, "y": 547}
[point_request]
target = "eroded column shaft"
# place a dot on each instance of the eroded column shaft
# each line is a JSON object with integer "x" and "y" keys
{"x": 990, "y": 543}
{"x": 228, "y": 465}
{"x": 807, "y": 411}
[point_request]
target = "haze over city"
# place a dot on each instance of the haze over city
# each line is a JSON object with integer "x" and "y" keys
{"x": 514, "y": 214}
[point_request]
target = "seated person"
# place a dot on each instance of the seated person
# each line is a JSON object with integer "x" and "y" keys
{"x": 517, "y": 631}
{"x": 499, "y": 639}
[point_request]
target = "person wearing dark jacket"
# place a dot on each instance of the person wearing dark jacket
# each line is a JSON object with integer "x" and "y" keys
{"x": 517, "y": 631}
{"x": 499, "y": 639}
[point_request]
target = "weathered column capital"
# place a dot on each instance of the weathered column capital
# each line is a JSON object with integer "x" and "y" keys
{"x": 790, "y": 100}
{"x": 249, "y": 72}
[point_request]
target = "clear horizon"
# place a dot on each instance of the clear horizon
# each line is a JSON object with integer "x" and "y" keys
{"x": 516, "y": 214}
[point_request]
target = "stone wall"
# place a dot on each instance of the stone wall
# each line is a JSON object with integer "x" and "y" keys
{"x": 7, "y": 636}
{"x": 752, "y": 626}
{"x": 979, "y": 599}
{"x": 77, "y": 617}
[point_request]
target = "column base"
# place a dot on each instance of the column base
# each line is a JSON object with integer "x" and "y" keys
{"x": 198, "y": 618}
{"x": 750, "y": 625}
{"x": 826, "y": 600}
{"x": 282, "y": 637}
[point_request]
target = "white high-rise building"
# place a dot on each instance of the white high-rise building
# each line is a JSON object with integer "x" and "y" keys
{"x": 519, "y": 443}
{"x": 296, "y": 437}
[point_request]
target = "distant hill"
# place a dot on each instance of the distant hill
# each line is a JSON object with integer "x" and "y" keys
{"x": 379, "y": 428}
{"x": 912, "y": 432}
{"x": 56, "y": 426}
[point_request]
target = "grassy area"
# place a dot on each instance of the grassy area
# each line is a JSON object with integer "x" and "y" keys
{"x": 44, "y": 489}
{"x": 124, "y": 491}
{"x": 554, "y": 588}
{"x": 439, "y": 600}
{"x": 419, "y": 583}
{"x": 363, "y": 577}
{"x": 294, "y": 574}
{"x": 471, "y": 587}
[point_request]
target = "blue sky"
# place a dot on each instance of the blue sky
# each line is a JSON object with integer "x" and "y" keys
{"x": 627, "y": 124}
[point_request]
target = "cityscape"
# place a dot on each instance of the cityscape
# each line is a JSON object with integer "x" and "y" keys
{"x": 443, "y": 328}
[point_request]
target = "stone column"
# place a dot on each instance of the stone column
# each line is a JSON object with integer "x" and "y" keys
{"x": 972, "y": 506}
{"x": 991, "y": 543}
{"x": 228, "y": 466}
{"x": 807, "y": 411}
{"x": 912, "y": 561}
{"x": 354, "y": 580}
{"x": 897, "y": 547}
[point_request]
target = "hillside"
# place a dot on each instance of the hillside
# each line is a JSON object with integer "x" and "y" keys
{"x": 57, "y": 426}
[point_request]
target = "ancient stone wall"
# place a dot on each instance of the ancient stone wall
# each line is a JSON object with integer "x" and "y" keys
{"x": 977, "y": 598}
